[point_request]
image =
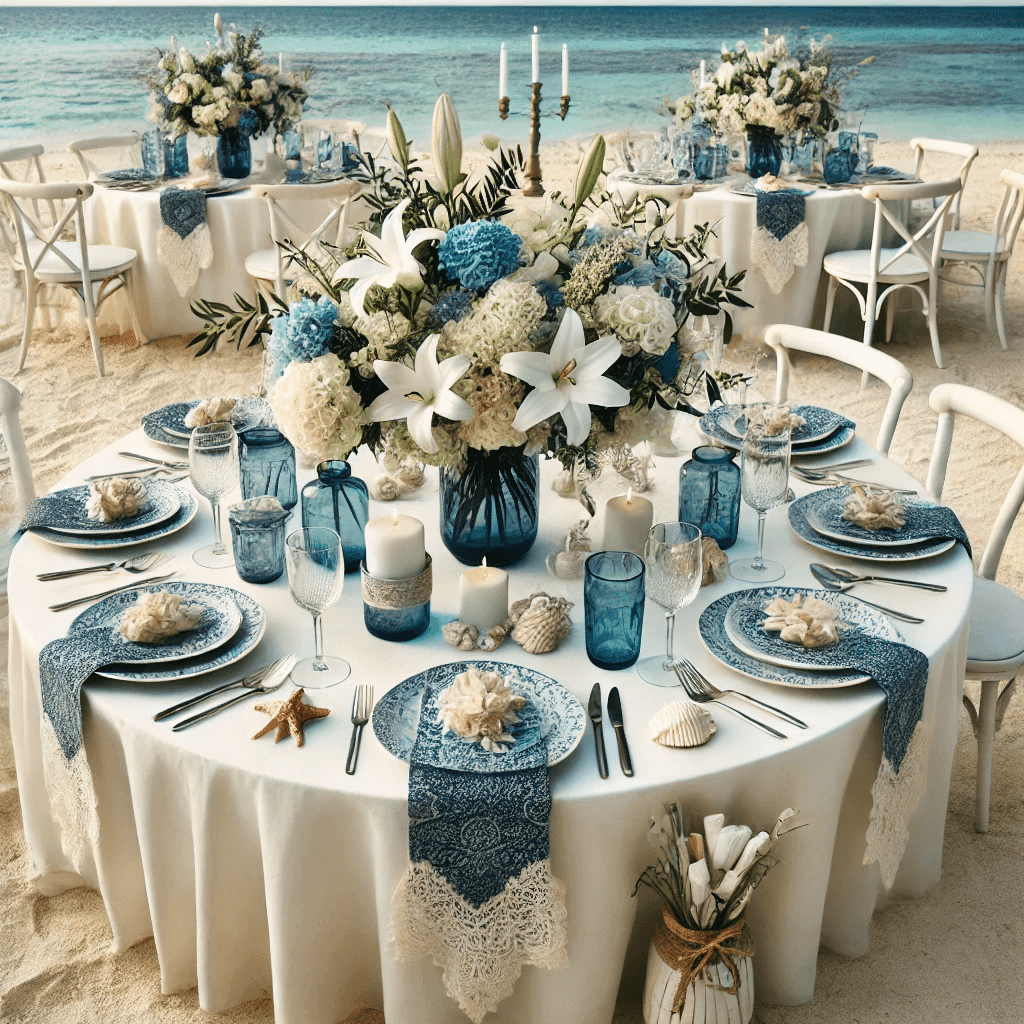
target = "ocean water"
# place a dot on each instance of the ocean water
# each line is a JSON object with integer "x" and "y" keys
{"x": 955, "y": 72}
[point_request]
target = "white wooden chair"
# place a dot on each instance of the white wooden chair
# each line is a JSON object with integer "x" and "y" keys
{"x": 785, "y": 337}
{"x": 964, "y": 150}
{"x": 989, "y": 254}
{"x": 274, "y": 264}
{"x": 22, "y": 163}
{"x": 995, "y": 648}
{"x": 91, "y": 146}
{"x": 14, "y": 440}
{"x": 92, "y": 272}
{"x": 914, "y": 264}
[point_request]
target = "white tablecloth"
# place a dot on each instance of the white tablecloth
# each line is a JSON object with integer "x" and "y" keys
{"x": 266, "y": 869}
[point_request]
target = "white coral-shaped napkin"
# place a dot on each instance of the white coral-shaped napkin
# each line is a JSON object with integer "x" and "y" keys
{"x": 213, "y": 410}
{"x": 116, "y": 498}
{"x": 159, "y": 616}
{"x": 478, "y": 707}
{"x": 807, "y": 621}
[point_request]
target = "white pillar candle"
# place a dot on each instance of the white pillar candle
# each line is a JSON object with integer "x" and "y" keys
{"x": 627, "y": 521}
{"x": 565, "y": 70}
{"x": 280, "y": 63}
{"x": 535, "y": 53}
{"x": 703, "y": 65}
{"x": 483, "y": 597}
{"x": 503, "y": 73}
{"x": 394, "y": 547}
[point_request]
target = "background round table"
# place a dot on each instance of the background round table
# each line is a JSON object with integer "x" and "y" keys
{"x": 265, "y": 869}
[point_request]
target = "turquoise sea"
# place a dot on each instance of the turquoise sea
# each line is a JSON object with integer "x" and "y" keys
{"x": 948, "y": 71}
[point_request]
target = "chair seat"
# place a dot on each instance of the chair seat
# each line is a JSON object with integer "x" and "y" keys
{"x": 969, "y": 245}
{"x": 995, "y": 646}
{"x": 262, "y": 265}
{"x": 855, "y": 265}
{"x": 104, "y": 261}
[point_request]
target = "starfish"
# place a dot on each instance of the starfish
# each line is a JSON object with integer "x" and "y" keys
{"x": 288, "y": 715}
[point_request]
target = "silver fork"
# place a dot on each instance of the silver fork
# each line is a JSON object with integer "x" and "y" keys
{"x": 811, "y": 476}
{"x": 698, "y": 696}
{"x": 275, "y": 677}
{"x": 139, "y": 563}
{"x": 709, "y": 688}
{"x": 362, "y": 705}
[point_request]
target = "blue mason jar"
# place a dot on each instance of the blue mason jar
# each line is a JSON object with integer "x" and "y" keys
{"x": 257, "y": 539}
{"x": 709, "y": 493}
{"x": 341, "y": 502}
{"x": 234, "y": 153}
{"x": 266, "y": 465}
{"x": 764, "y": 151}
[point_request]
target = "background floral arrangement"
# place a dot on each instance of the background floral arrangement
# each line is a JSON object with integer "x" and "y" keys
{"x": 230, "y": 86}
{"x": 465, "y": 321}
{"x": 771, "y": 88}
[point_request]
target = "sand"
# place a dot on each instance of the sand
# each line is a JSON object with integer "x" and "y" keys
{"x": 946, "y": 957}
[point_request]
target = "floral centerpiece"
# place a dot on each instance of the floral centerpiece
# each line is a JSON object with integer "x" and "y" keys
{"x": 230, "y": 92}
{"x": 770, "y": 92}
{"x": 468, "y": 328}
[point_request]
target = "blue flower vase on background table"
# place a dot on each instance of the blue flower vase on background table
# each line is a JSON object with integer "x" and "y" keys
{"x": 234, "y": 153}
{"x": 764, "y": 151}
{"x": 266, "y": 465}
{"x": 613, "y": 607}
{"x": 341, "y": 502}
{"x": 709, "y": 493}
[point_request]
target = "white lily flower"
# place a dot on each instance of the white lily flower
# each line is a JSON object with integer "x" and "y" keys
{"x": 700, "y": 885}
{"x": 392, "y": 261}
{"x": 713, "y": 825}
{"x": 415, "y": 394}
{"x": 567, "y": 380}
{"x": 756, "y": 846}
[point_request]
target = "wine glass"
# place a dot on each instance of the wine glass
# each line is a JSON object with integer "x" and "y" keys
{"x": 764, "y": 483}
{"x": 213, "y": 467}
{"x": 673, "y": 557}
{"x": 316, "y": 577}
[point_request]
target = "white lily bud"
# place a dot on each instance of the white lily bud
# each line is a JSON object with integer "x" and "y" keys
{"x": 713, "y": 824}
{"x": 446, "y": 144}
{"x": 700, "y": 882}
{"x": 589, "y": 170}
{"x": 731, "y": 842}
{"x": 397, "y": 142}
{"x": 218, "y": 24}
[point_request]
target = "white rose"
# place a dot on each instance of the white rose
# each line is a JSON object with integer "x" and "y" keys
{"x": 724, "y": 74}
{"x": 260, "y": 90}
{"x": 641, "y": 317}
{"x": 178, "y": 93}
{"x": 186, "y": 60}
{"x": 233, "y": 79}
{"x": 205, "y": 115}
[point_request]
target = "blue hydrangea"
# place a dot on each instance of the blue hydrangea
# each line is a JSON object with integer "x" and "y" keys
{"x": 636, "y": 276}
{"x": 453, "y": 304}
{"x": 479, "y": 253}
{"x": 303, "y": 334}
{"x": 550, "y": 293}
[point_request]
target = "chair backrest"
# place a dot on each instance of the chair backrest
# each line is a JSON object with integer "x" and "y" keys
{"x": 1010, "y": 215}
{"x": 333, "y": 229}
{"x": 83, "y": 146}
{"x": 22, "y": 163}
{"x": 783, "y": 337}
{"x": 948, "y": 400}
{"x": 14, "y": 439}
{"x": 964, "y": 150}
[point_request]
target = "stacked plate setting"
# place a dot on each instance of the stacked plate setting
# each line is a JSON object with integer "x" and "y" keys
{"x": 823, "y": 431}
{"x": 166, "y": 425}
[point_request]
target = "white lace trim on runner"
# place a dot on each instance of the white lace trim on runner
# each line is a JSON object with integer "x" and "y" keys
{"x": 894, "y": 798}
{"x": 184, "y": 258}
{"x": 481, "y": 950}
{"x": 777, "y": 258}
{"x": 72, "y": 797}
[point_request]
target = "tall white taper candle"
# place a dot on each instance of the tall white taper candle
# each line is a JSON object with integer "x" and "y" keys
{"x": 565, "y": 70}
{"x": 535, "y": 53}
{"x": 503, "y": 73}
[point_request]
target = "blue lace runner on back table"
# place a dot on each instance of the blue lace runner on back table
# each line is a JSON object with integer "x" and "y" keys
{"x": 184, "y": 247}
{"x": 780, "y": 240}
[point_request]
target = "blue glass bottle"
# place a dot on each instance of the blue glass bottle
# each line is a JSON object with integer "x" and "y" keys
{"x": 234, "y": 153}
{"x": 266, "y": 465}
{"x": 341, "y": 502}
{"x": 709, "y": 493}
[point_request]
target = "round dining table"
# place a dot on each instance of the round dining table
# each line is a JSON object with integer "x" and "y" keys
{"x": 264, "y": 869}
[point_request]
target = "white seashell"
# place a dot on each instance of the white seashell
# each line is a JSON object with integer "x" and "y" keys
{"x": 682, "y": 725}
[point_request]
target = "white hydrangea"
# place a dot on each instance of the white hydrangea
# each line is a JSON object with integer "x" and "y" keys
{"x": 640, "y": 318}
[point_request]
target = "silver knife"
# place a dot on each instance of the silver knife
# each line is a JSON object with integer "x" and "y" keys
{"x": 109, "y": 593}
{"x": 156, "y": 462}
{"x": 595, "y": 717}
{"x": 615, "y": 717}
{"x": 273, "y": 679}
{"x": 249, "y": 681}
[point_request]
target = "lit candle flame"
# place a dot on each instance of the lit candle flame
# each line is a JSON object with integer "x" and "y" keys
{"x": 486, "y": 572}
{"x": 629, "y": 497}
{"x": 394, "y": 519}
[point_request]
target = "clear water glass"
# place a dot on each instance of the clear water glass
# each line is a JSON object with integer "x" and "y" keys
{"x": 316, "y": 578}
{"x": 764, "y": 483}
{"x": 213, "y": 468}
{"x": 674, "y": 564}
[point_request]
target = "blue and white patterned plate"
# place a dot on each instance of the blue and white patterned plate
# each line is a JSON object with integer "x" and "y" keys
{"x": 718, "y": 426}
{"x": 712, "y": 631}
{"x": 397, "y": 714}
{"x": 254, "y": 624}
{"x": 798, "y": 511}
{"x": 826, "y": 517}
{"x": 820, "y": 423}
{"x": 66, "y": 511}
{"x": 124, "y": 174}
{"x": 221, "y": 618}
{"x": 171, "y": 418}
{"x": 189, "y": 505}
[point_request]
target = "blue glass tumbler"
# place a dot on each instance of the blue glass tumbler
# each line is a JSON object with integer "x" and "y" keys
{"x": 837, "y": 166}
{"x": 153, "y": 153}
{"x": 266, "y": 465}
{"x": 613, "y": 603}
{"x": 341, "y": 502}
{"x": 709, "y": 493}
{"x": 257, "y": 539}
{"x": 176, "y": 157}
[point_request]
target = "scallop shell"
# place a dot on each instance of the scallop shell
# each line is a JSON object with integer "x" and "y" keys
{"x": 682, "y": 725}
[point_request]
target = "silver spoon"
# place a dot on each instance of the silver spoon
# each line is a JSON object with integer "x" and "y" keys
{"x": 832, "y": 583}
{"x": 813, "y": 477}
{"x": 850, "y": 577}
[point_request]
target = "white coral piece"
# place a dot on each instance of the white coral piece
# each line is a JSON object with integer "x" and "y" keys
{"x": 213, "y": 410}
{"x": 159, "y": 616}
{"x": 116, "y": 498}
{"x": 478, "y": 706}
{"x": 807, "y": 621}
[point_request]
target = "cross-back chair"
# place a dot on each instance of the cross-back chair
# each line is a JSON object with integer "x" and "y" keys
{"x": 785, "y": 338}
{"x": 274, "y": 264}
{"x": 92, "y": 272}
{"x": 963, "y": 150}
{"x": 23, "y": 163}
{"x": 82, "y": 147}
{"x": 913, "y": 263}
{"x": 995, "y": 648}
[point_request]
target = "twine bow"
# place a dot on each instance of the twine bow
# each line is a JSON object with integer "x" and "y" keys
{"x": 692, "y": 952}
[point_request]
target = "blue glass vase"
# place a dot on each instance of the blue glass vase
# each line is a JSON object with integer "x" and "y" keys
{"x": 341, "y": 502}
{"x": 764, "y": 151}
{"x": 709, "y": 493}
{"x": 490, "y": 509}
{"x": 613, "y": 607}
{"x": 266, "y": 465}
{"x": 234, "y": 153}
{"x": 176, "y": 157}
